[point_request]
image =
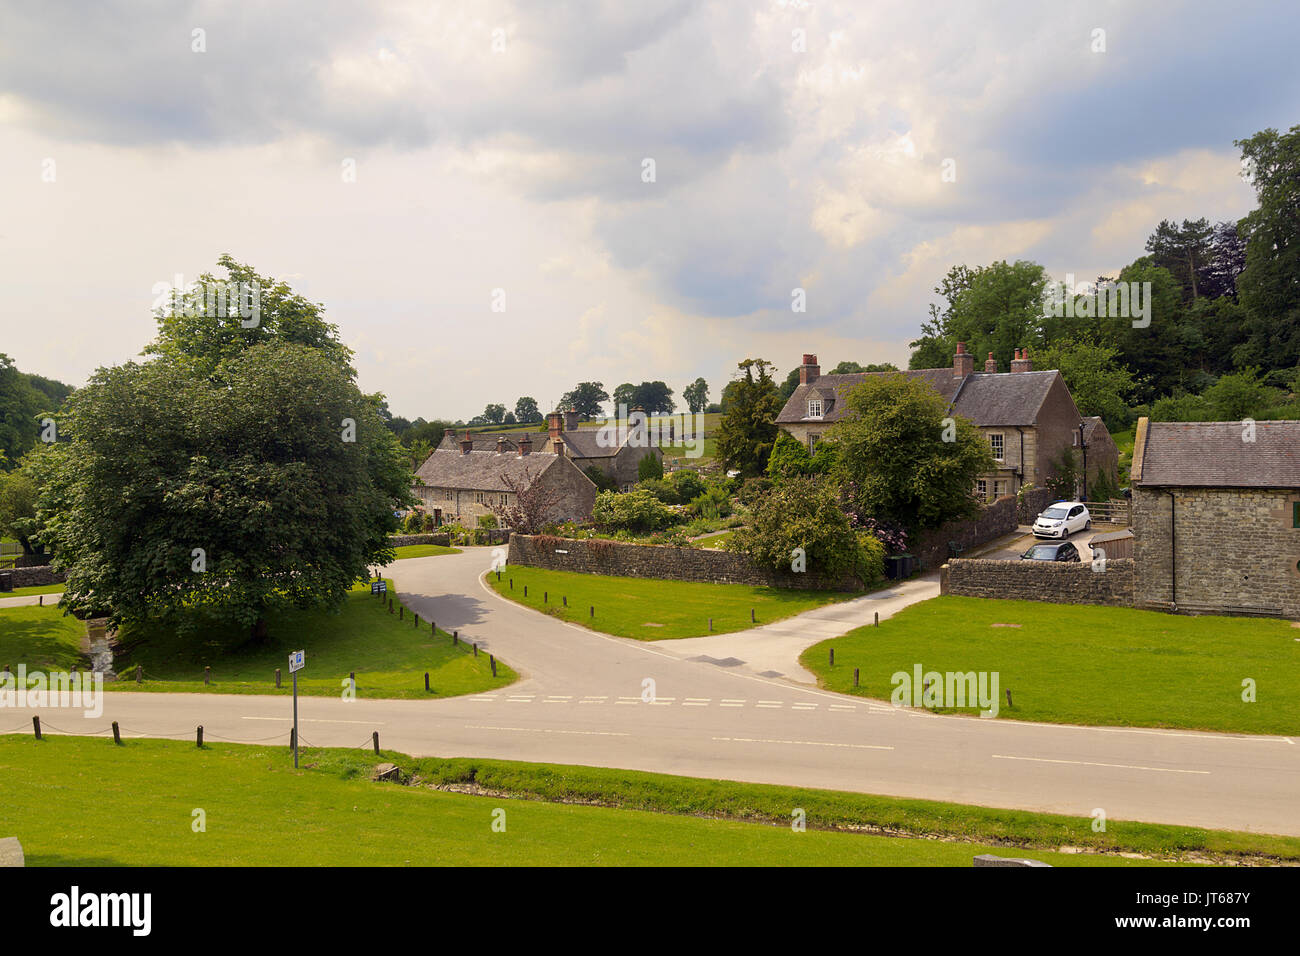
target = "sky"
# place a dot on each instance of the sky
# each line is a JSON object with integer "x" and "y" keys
{"x": 413, "y": 165}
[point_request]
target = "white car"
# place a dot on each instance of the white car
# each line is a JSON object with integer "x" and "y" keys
{"x": 1062, "y": 519}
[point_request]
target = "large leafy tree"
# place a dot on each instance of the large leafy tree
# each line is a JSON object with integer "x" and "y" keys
{"x": 996, "y": 308}
{"x": 273, "y": 484}
{"x": 748, "y": 427}
{"x": 894, "y": 451}
{"x": 696, "y": 395}
{"x": 1098, "y": 382}
{"x": 526, "y": 410}
{"x": 1268, "y": 287}
{"x": 24, "y": 399}
{"x": 586, "y": 399}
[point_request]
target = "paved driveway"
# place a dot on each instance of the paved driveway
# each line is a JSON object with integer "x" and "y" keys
{"x": 1014, "y": 547}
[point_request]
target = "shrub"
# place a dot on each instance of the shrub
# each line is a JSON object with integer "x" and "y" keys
{"x": 487, "y": 521}
{"x": 661, "y": 489}
{"x": 635, "y": 511}
{"x": 712, "y": 503}
{"x": 687, "y": 484}
{"x": 751, "y": 489}
{"x": 650, "y": 466}
{"x": 414, "y": 522}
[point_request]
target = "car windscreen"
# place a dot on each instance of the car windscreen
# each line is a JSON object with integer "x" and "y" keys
{"x": 1055, "y": 513}
{"x": 1043, "y": 551}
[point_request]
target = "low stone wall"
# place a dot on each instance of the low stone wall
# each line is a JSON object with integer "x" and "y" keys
{"x": 35, "y": 577}
{"x": 617, "y": 558}
{"x": 402, "y": 540}
{"x": 1055, "y": 582}
{"x": 999, "y": 518}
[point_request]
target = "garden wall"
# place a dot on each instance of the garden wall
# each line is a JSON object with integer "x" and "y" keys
{"x": 35, "y": 577}
{"x": 1057, "y": 583}
{"x": 596, "y": 556}
{"x": 402, "y": 540}
{"x": 999, "y": 518}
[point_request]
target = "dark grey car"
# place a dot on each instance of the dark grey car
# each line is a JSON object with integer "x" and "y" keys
{"x": 1060, "y": 551}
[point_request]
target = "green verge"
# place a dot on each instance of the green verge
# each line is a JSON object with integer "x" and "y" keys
{"x": 390, "y": 656}
{"x": 34, "y": 589}
{"x": 1082, "y": 664}
{"x": 650, "y": 609}
{"x": 422, "y": 550}
{"x": 258, "y": 811}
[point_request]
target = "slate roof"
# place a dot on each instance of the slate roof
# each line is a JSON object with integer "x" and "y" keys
{"x": 997, "y": 398}
{"x": 580, "y": 443}
{"x": 1215, "y": 454}
{"x": 481, "y": 470}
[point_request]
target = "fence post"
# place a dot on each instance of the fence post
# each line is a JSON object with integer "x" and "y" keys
{"x": 401, "y": 612}
{"x": 832, "y": 657}
{"x": 207, "y": 676}
{"x": 475, "y": 646}
{"x": 855, "y": 677}
{"x": 293, "y": 738}
{"x": 593, "y": 611}
{"x": 139, "y": 674}
{"x": 710, "y": 625}
{"x": 426, "y": 682}
{"x": 751, "y": 616}
{"x": 455, "y": 638}
{"x": 493, "y": 661}
{"x": 117, "y": 734}
{"x": 36, "y": 726}
{"x": 198, "y": 740}
{"x": 417, "y": 620}
{"x": 877, "y": 619}
{"x": 277, "y": 678}
{"x": 375, "y": 738}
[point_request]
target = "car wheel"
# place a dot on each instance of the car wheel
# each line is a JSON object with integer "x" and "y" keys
{"x": 1087, "y": 525}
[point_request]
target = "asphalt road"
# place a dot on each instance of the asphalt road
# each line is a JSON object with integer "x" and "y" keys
{"x": 582, "y": 699}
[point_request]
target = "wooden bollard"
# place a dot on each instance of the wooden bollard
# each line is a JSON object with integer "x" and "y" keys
{"x": 390, "y": 605}
{"x": 546, "y": 597}
{"x": 401, "y": 612}
{"x": 117, "y": 734}
{"x": 493, "y": 661}
{"x": 566, "y": 600}
{"x": 877, "y": 619}
{"x": 710, "y": 625}
{"x": 139, "y": 674}
{"x": 417, "y": 620}
{"x": 751, "y": 616}
{"x": 455, "y": 637}
{"x": 198, "y": 738}
{"x": 525, "y": 590}
{"x": 593, "y": 611}
{"x": 1008, "y": 696}
{"x": 832, "y": 657}
{"x": 498, "y": 576}
{"x": 277, "y": 678}
{"x": 293, "y": 738}
{"x": 352, "y": 681}
{"x": 207, "y": 676}
{"x": 512, "y": 584}
{"x": 855, "y": 677}
{"x": 375, "y": 738}
{"x": 36, "y": 726}
{"x": 426, "y": 682}
{"x": 475, "y": 646}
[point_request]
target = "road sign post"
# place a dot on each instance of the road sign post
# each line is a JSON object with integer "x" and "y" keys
{"x": 297, "y": 661}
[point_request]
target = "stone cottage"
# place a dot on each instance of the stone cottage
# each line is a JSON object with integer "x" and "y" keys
{"x": 585, "y": 447}
{"x": 1216, "y": 517}
{"x": 1028, "y": 418}
{"x": 460, "y": 486}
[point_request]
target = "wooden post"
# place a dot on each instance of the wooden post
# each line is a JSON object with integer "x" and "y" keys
{"x": 426, "y": 682}
{"x": 710, "y": 625}
{"x": 566, "y": 600}
{"x": 117, "y": 734}
{"x": 525, "y": 590}
{"x": 198, "y": 740}
{"x": 417, "y": 621}
{"x": 390, "y": 605}
{"x": 855, "y": 677}
{"x": 751, "y": 616}
{"x": 455, "y": 638}
{"x": 1008, "y": 696}
{"x": 36, "y": 725}
{"x": 401, "y": 612}
{"x": 832, "y": 657}
{"x": 207, "y": 676}
{"x": 375, "y": 737}
{"x": 493, "y": 661}
{"x": 877, "y": 619}
{"x": 139, "y": 674}
{"x": 512, "y": 584}
{"x": 546, "y": 597}
{"x": 475, "y": 646}
{"x": 42, "y": 602}
{"x": 293, "y": 738}
{"x": 593, "y": 611}
{"x": 277, "y": 678}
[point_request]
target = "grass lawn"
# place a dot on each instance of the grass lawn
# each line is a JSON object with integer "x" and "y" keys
{"x": 714, "y": 542}
{"x": 1085, "y": 664}
{"x": 34, "y": 589}
{"x": 388, "y": 655}
{"x": 650, "y": 609}
{"x": 40, "y": 637}
{"x": 423, "y": 550}
{"x": 258, "y": 811}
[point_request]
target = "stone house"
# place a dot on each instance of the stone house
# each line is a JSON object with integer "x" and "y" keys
{"x": 1216, "y": 516}
{"x": 1028, "y": 417}
{"x": 585, "y": 447}
{"x": 460, "y": 486}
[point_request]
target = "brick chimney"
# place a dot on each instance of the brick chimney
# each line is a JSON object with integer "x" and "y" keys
{"x": 990, "y": 364}
{"x": 466, "y": 444}
{"x": 963, "y": 363}
{"x": 1021, "y": 362}
{"x": 570, "y": 419}
{"x": 554, "y": 424}
{"x": 501, "y": 444}
{"x": 809, "y": 371}
{"x": 525, "y": 445}
{"x": 558, "y": 445}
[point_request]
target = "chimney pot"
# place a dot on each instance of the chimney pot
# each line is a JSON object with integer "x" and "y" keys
{"x": 466, "y": 444}
{"x": 809, "y": 371}
{"x": 554, "y": 421}
{"x": 1022, "y": 361}
{"x": 990, "y": 364}
{"x": 963, "y": 363}
{"x": 558, "y": 445}
{"x": 570, "y": 419}
{"x": 525, "y": 446}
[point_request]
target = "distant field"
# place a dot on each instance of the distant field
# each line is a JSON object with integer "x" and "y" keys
{"x": 649, "y": 609}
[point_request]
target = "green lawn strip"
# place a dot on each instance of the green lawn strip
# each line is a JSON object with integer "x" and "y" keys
{"x": 389, "y": 656}
{"x": 651, "y": 609}
{"x": 423, "y": 550}
{"x": 34, "y": 589}
{"x": 257, "y": 811}
{"x": 1083, "y": 664}
{"x": 715, "y": 541}
{"x": 40, "y": 637}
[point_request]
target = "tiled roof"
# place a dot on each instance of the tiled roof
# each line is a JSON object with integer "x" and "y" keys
{"x": 580, "y": 443}
{"x": 481, "y": 470}
{"x": 1004, "y": 398}
{"x": 1219, "y": 454}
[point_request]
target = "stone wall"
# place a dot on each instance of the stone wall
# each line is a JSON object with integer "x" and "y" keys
{"x": 402, "y": 540}
{"x": 35, "y": 577}
{"x": 999, "y": 518}
{"x": 1055, "y": 582}
{"x": 1234, "y": 550}
{"x": 596, "y": 556}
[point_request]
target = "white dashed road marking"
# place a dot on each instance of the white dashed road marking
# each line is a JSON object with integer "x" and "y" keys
{"x": 802, "y": 743}
{"x": 1090, "y": 763}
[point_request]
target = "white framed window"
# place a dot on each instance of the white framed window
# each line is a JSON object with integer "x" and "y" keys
{"x": 995, "y": 440}
{"x": 982, "y": 489}
{"x": 999, "y": 489}
{"x": 814, "y": 408}
{"x": 812, "y": 442}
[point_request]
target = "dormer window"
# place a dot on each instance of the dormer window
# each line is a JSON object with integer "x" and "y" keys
{"x": 814, "y": 408}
